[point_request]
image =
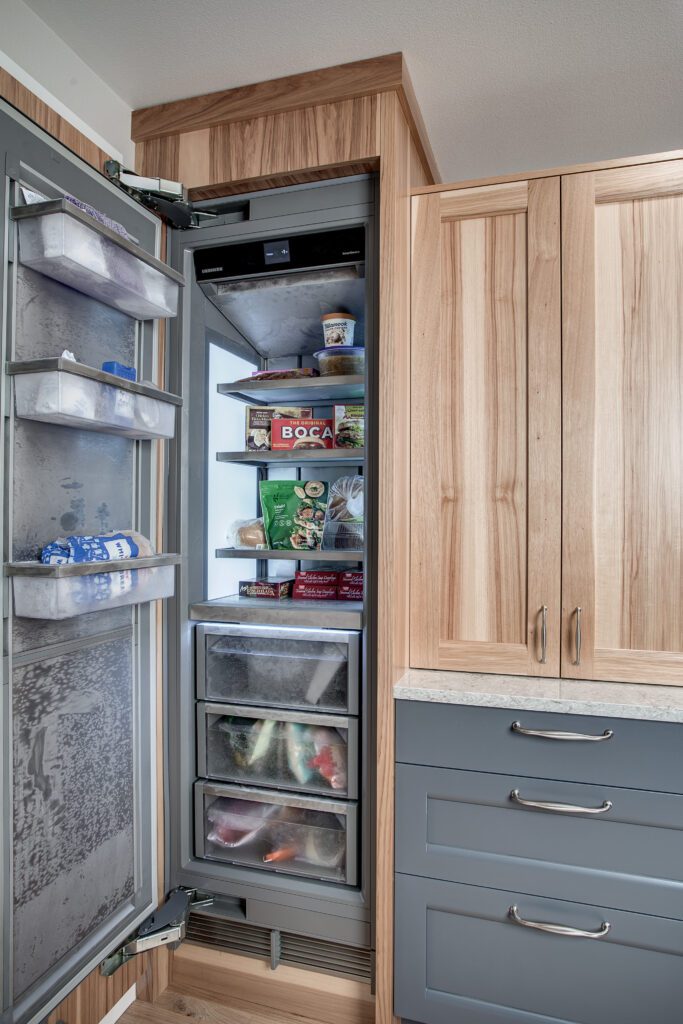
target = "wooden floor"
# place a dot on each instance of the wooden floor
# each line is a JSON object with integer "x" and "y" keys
{"x": 176, "y": 1008}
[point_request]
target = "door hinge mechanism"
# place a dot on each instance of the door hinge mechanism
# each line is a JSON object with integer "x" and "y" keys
{"x": 167, "y": 926}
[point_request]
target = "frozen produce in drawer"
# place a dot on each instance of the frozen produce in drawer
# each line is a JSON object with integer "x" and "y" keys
{"x": 281, "y": 836}
{"x": 278, "y": 672}
{"x": 303, "y": 755}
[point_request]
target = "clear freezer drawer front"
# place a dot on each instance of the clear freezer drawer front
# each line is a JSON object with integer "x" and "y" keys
{"x": 308, "y": 753}
{"x": 288, "y": 668}
{"x": 276, "y": 832}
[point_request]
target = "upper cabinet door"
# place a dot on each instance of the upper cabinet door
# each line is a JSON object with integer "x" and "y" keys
{"x": 485, "y": 421}
{"x": 623, "y": 424}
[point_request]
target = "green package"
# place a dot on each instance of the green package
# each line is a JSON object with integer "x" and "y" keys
{"x": 293, "y": 513}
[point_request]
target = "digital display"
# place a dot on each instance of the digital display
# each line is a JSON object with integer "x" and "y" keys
{"x": 276, "y": 252}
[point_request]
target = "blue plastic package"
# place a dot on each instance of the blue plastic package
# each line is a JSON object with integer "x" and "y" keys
{"x": 127, "y": 372}
{"x": 65, "y": 551}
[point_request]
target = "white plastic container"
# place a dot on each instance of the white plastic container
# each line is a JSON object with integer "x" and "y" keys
{"x": 46, "y": 597}
{"x": 338, "y": 329}
{"x": 70, "y": 400}
{"x": 64, "y": 243}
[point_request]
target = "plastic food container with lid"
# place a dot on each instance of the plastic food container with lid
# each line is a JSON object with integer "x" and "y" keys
{"x": 341, "y": 360}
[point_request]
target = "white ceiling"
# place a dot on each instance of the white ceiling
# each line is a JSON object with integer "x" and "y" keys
{"x": 504, "y": 85}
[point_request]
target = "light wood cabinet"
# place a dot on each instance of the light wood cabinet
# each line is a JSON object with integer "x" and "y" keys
{"x": 499, "y": 520}
{"x": 622, "y": 269}
{"x": 485, "y": 453}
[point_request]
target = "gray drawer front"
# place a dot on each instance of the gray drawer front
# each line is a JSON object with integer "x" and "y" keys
{"x": 463, "y": 826}
{"x": 461, "y": 960}
{"x": 641, "y": 755}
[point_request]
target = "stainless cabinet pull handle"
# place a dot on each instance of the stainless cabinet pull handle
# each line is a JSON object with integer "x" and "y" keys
{"x": 543, "y": 805}
{"x": 549, "y": 734}
{"x": 544, "y": 634}
{"x": 559, "y": 929}
{"x": 577, "y": 638}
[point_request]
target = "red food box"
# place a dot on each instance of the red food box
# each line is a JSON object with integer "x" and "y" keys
{"x": 300, "y": 434}
{"x": 324, "y": 576}
{"x": 348, "y": 593}
{"x": 353, "y": 579}
{"x": 315, "y": 591}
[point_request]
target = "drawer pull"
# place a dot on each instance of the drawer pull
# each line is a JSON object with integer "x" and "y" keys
{"x": 543, "y": 805}
{"x": 559, "y": 929}
{"x": 544, "y": 634}
{"x": 548, "y": 734}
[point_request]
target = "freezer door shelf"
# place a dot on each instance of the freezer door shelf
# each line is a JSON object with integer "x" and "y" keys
{"x": 61, "y": 241}
{"x": 64, "y": 591}
{"x": 309, "y": 753}
{"x": 71, "y": 394}
{"x": 276, "y": 832}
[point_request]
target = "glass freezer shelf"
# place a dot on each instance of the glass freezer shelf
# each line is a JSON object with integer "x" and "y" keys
{"x": 285, "y": 612}
{"x": 339, "y": 555}
{"x": 72, "y": 394}
{"x": 309, "y": 391}
{"x": 63, "y": 242}
{"x": 64, "y": 591}
{"x": 314, "y": 456}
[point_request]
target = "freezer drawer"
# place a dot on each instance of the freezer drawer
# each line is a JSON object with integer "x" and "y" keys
{"x": 471, "y": 955}
{"x": 307, "y": 669}
{"x": 279, "y": 832}
{"x": 289, "y": 750}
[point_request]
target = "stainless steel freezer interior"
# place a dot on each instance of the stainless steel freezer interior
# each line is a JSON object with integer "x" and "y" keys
{"x": 249, "y": 321}
{"x": 77, "y": 774}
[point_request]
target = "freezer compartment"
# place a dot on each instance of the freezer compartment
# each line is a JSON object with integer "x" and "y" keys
{"x": 307, "y": 669}
{"x": 309, "y": 753}
{"x": 281, "y": 832}
{"x": 69, "y": 399}
{"x": 64, "y": 243}
{"x": 64, "y": 596}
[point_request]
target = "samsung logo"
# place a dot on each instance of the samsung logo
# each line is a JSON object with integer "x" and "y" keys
{"x": 211, "y": 270}
{"x": 351, "y": 252}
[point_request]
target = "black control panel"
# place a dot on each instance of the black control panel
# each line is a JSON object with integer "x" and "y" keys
{"x": 298, "y": 252}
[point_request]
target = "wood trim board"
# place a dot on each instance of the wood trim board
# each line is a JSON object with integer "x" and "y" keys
{"x": 550, "y": 172}
{"x": 39, "y": 112}
{"x": 167, "y": 131}
{"x": 238, "y": 980}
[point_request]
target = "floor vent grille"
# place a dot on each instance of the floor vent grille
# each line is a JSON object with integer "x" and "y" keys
{"x": 280, "y": 947}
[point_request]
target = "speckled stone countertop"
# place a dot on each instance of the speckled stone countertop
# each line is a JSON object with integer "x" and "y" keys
{"x": 566, "y": 696}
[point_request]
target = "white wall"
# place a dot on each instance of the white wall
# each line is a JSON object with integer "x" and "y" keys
{"x": 32, "y": 53}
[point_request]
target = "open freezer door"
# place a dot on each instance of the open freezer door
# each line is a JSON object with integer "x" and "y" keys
{"x": 82, "y": 665}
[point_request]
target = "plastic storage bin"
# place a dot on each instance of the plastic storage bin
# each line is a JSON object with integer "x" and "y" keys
{"x": 276, "y": 832}
{"x": 65, "y": 397}
{"x": 51, "y": 596}
{"x": 308, "y": 753}
{"x": 64, "y": 243}
{"x": 306, "y": 669}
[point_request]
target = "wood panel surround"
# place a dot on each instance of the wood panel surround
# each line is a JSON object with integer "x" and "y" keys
{"x": 45, "y": 117}
{"x": 325, "y": 121}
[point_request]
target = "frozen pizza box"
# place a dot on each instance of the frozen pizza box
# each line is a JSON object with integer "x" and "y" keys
{"x": 349, "y": 426}
{"x": 277, "y": 587}
{"x": 260, "y": 417}
{"x": 300, "y": 434}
